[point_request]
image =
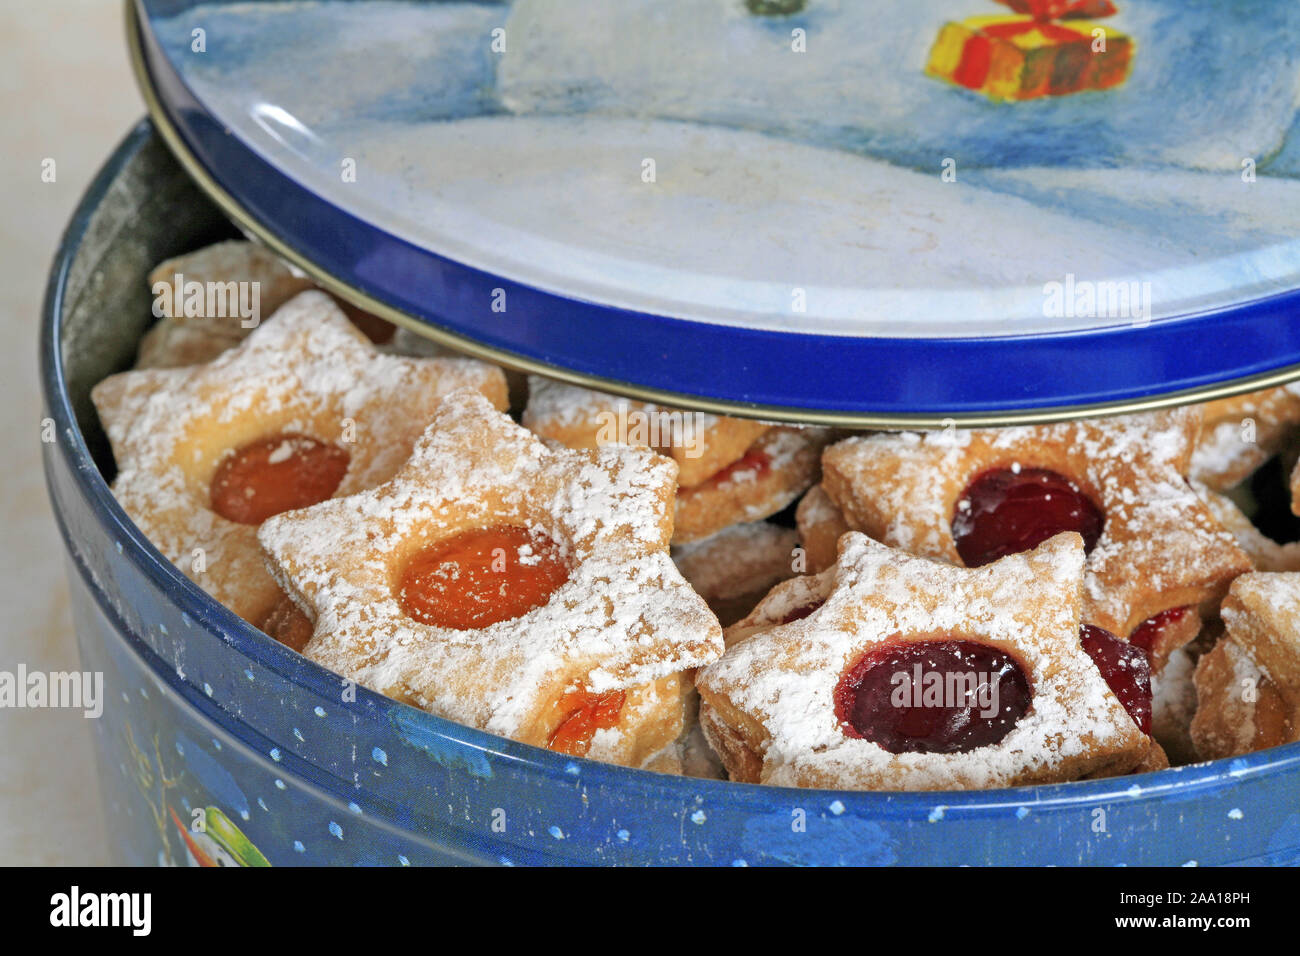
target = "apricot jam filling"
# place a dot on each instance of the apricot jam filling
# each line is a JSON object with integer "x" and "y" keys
{"x": 1004, "y": 511}
{"x": 478, "y": 578}
{"x": 582, "y": 714}
{"x": 276, "y": 474}
{"x": 941, "y": 696}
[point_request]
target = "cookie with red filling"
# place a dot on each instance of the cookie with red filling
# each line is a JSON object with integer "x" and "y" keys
{"x": 730, "y": 470}
{"x": 894, "y": 672}
{"x": 973, "y": 496}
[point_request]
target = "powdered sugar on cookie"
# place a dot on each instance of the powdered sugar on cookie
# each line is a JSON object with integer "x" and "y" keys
{"x": 305, "y": 371}
{"x": 783, "y": 679}
{"x": 624, "y": 617}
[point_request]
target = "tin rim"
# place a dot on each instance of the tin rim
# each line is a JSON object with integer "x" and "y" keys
{"x": 1058, "y": 346}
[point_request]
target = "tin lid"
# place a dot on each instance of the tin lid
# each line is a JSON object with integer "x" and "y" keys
{"x": 983, "y": 210}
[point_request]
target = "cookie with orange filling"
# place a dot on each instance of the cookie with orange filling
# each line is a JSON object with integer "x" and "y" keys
{"x": 893, "y": 672}
{"x": 516, "y": 587}
{"x": 1158, "y": 561}
{"x": 304, "y": 409}
{"x": 1248, "y": 686}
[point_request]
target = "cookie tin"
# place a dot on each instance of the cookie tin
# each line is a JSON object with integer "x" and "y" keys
{"x": 207, "y": 720}
{"x": 986, "y": 211}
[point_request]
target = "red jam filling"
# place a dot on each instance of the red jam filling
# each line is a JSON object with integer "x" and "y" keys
{"x": 754, "y": 460}
{"x": 1005, "y": 512}
{"x": 482, "y": 577}
{"x": 276, "y": 474}
{"x": 801, "y": 612}
{"x": 944, "y": 696}
{"x": 1125, "y": 668}
{"x": 583, "y": 714}
{"x": 1153, "y": 628}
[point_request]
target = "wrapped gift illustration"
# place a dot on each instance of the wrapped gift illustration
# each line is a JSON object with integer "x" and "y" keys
{"x": 1046, "y": 48}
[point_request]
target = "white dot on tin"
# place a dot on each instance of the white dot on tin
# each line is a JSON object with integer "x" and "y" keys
{"x": 248, "y": 672}
{"x": 118, "y": 545}
{"x": 403, "y": 860}
{"x": 1191, "y": 863}
{"x": 936, "y": 814}
{"x": 623, "y": 836}
{"x": 836, "y": 807}
{"x": 1235, "y": 814}
{"x": 336, "y": 830}
{"x": 1022, "y": 812}
{"x": 207, "y": 688}
{"x": 275, "y": 754}
{"x": 262, "y": 803}
{"x": 244, "y": 815}
{"x": 572, "y": 769}
{"x": 163, "y": 628}
{"x": 354, "y": 808}
{"x": 298, "y": 847}
{"x": 279, "y": 784}
{"x": 185, "y": 619}
{"x": 297, "y": 733}
{"x": 216, "y": 744}
{"x": 698, "y": 817}
{"x": 739, "y": 863}
{"x": 378, "y": 756}
{"x": 319, "y": 711}
{"x": 556, "y": 832}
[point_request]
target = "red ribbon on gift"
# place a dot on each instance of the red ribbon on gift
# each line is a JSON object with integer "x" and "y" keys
{"x": 1063, "y": 9}
{"x": 974, "y": 67}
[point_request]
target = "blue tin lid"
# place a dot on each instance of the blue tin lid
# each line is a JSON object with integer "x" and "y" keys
{"x": 797, "y": 208}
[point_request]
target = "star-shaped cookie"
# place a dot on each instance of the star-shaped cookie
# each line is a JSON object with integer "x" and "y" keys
{"x": 785, "y": 704}
{"x": 1158, "y": 547}
{"x": 618, "y": 620}
{"x": 304, "y": 383}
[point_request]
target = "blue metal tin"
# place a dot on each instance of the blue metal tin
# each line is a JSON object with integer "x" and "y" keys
{"x": 206, "y": 719}
{"x": 1119, "y": 186}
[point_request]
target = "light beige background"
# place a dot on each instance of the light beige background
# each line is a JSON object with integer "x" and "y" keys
{"x": 67, "y": 94}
